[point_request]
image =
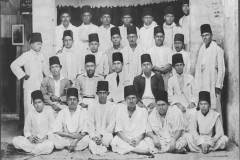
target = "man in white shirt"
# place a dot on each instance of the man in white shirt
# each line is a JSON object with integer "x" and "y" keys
{"x": 184, "y": 22}
{"x": 37, "y": 128}
{"x": 104, "y": 30}
{"x": 87, "y": 27}
{"x": 146, "y": 38}
{"x": 101, "y": 116}
{"x": 70, "y": 128}
{"x": 65, "y": 17}
{"x": 161, "y": 56}
{"x": 169, "y": 26}
{"x": 35, "y": 67}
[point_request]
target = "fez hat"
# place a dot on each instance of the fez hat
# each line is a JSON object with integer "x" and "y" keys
{"x": 93, "y": 37}
{"x": 54, "y": 60}
{"x": 115, "y": 30}
{"x": 177, "y": 58}
{"x": 129, "y": 90}
{"x": 102, "y": 86}
{"x": 147, "y": 12}
{"x": 179, "y": 37}
{"x": 37, "y": 94}
{"x": 126, "y": 11}
{"x": 146, "y": 58}
{"x": 72, "y": 92}
{"x": 185, "y": 1}
{"x": 204, "y": 96}
{"x": 161, "y": 96}
{"x": 35, "y": 37}
{"x": 117, "y": 56}
{"x": 158, "y": 29}
{"x": 65, "y": 10}
{"x": 131, "y": 30}
{"x": 90, "y": 58}
{"x": 206, "y": 28}
{"x": 68, "y": 33}
{"x": 106, "y": 11}
{"x": 169, "y": 10}
{"x": 86, "y": 8}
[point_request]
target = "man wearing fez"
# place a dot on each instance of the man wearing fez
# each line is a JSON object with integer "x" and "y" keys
{"x": 37, "y": 127}
{"x": 87, "y": 27}
{"x": 165, "y": 127}
{"x": 146, "y": 31}
{"x": 86, "y": 83}
{"x": 169, "y": 26}
{"x": 161, "y": 55}
{"x": 131, "y": 125}
{"x": 69, "y": 57}
{"x": 104, "y": 31}
{"x": 210, "y": 68}
{"x": 116, "y": 46}
{"x": 148, "y": 83}
{"x": 184, "y": 22}
{"x": 118, "y": 79}
{"x": 206, "y": 132}
{"x": 131, "y": 54}
{"x": 35, "y": 67}
{"x": 65, "y": 17}
{"x": 101, "y": 116}
{"x": 54, "y": 87}
{"x": 179, "y": 47}
{"x": 127, "y": 20}
{"x": 182, "y": 90}
{"x": 70, "y": 129}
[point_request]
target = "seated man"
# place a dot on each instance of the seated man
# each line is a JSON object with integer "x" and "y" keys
{"x": 101, "y": 121}
{"x": 131, "y": 124}
{"x": 148, "y": 83}
{"x": 181, "y": 89}
{"x": 206, "y": 132}
{"x": 37, "y": 127}
{"x": 54, "y": 87}
{"x": 70, "y": 129}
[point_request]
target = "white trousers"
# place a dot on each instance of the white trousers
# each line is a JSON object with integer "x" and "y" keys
{"x": 28, "y": 105}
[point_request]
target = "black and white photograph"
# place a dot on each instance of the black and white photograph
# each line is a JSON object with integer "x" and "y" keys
{"x": 119, "y": 79}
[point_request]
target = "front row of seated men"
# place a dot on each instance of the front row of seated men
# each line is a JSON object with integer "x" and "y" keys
{"x": 126, "y": 127}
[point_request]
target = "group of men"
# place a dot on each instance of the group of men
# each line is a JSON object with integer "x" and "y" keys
{"x": 122, "y": 89}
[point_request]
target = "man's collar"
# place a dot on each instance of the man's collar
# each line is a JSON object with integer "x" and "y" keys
{"x": 152, "y": 74}
{"x": 169, "y": 26}
{"x": 61, "y": 77}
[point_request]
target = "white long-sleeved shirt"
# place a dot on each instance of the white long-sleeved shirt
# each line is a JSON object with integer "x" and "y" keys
{"x": 104, "y": 35}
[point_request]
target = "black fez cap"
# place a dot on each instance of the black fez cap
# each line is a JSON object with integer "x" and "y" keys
{"x": 117, "y": 56}
{"x": 204, "y": 96}
{"x": 129, "y": 90}
{"x": 72, "y": 92}
{"x": 147, "y": 12}
{"x": 115, "y": 30}
{"x": 161, "y": 96}
{"x": 185, "y": 1}
{"x": 206, "y": 28}
{"x": 35, "y": 37}
{"x": 126, "y": 11}
{"x": 131, "y": 30}
{"x": 179, "y": 37}
{"x": 68, "y": 33}
{"x": 158, "y": 29}
{"x": 93, "y": 37}
{"x": 177, "y": 58}
{"x": 54, "y": 60}
{"x": 90, "y": 58}
{"x": 102, "y": 86}
{"x": 146, "y": 58}
{"x": 65, "y": 10}
{"x": 106, "y": 11}
{"x": 37, "y": 94}
{"x": 87, "y": 9}
{"x": 169, "y": 10}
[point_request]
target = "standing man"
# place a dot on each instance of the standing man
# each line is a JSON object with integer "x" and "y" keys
{"x": 148, "y": 83}
{"x": 170, "y": 27}
{"x": 35, "y": 67}
{"x": 101, "y": 121}
{"x": 146, "y": 31}
{"x": 210, "y": 68}
{"x": 127, "y": 21}
{"x": 87, "y": 27}
{"x": 65, "y": 18}
{"x": 104, "y": 30}
{"x": 184, "y": 22}
{"x": 161, "y": 56}
{"x": 118, "y": 79}
{"x": 55, "y": 86}
{"x": 132, "y": 53}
